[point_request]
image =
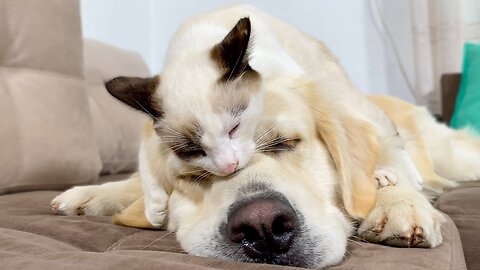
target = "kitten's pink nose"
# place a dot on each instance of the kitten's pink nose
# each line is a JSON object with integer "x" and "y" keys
{"x": 230, "y": 168}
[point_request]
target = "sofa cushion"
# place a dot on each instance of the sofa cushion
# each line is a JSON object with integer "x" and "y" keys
{"x": 33, "y": 238}
{"x": 462, "y": 205}
{"x": 118, "y": 127}
{"x": 42, "y": 35}
{"x": 468, "y": 100}
{"x": 46, "y": 132}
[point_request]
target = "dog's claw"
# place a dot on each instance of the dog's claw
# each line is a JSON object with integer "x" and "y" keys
{"x": 385, "y": 177}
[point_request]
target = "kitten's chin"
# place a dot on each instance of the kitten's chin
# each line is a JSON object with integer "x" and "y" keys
{"x": 217, "y": 172}
{"x": 221, "y": 174}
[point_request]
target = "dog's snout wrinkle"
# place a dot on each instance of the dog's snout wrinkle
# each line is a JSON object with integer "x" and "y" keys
{"x": 266, "y": 227}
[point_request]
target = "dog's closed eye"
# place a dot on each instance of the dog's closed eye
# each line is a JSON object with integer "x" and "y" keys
{"x": 278, "y": 144}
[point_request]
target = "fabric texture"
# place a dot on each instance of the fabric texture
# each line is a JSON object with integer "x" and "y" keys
{"x": 46, "y": 132}
{"x": 461, "y": 204}
{"x": 33, "y": 237}
{"x": 439, "y": 29}
{"x": 467, "y": 107}
{"x": 118, "y": 127}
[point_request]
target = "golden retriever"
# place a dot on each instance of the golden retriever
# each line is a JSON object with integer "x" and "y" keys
{"x": 287, "y": 206}
{"x": 326, "y": 155}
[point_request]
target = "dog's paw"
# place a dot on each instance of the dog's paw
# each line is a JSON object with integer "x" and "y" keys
{"x": 156, "y": 210}
{"x": 86, "y": 200}
{"x": 385, "y": 177}
{"x": 402, "y": 218}
{"x": 72, "y": 202}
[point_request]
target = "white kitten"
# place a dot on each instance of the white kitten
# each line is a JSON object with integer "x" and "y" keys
{"x": 208, "y": 99}
{"x": 206, "y": 103}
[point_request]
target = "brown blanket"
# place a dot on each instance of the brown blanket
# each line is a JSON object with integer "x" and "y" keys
{"x": 32, "y": 237}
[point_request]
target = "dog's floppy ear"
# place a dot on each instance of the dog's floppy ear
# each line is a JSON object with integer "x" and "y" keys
{"x": 232, "y": 53}
{"x": 354, "y": 149}
{"x": 139, "y": 93}
{"x": 133, "y": 216}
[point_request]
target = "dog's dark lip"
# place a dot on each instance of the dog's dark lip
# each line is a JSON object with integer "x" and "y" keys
{"x": 285, "y": 259}
{"x": 289, "y": 258}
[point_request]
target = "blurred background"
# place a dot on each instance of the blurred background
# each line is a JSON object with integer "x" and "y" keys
{"x": 395, "y": 47}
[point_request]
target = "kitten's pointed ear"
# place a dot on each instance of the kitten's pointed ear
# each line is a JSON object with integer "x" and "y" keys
{"x": 139, "y": 93}
{"x": 232, "y": 53}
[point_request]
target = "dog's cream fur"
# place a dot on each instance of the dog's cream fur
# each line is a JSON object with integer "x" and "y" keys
{"x": 443, "y": 156}
{"x": 348, "y": 149}
{"x": 281, "y": 50}
{"x": 401, "y": 216}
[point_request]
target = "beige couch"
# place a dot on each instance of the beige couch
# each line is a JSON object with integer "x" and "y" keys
{"x": 59, "y": 128}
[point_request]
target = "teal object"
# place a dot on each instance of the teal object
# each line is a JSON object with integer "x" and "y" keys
{"x": 467, "y": 106}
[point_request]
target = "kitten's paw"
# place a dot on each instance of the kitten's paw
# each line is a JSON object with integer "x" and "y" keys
{"x": 385, "y": 177}
{"x": 86, "y": 200}
{"x": 402, "y": 219}
{"x": 156, "y": 210}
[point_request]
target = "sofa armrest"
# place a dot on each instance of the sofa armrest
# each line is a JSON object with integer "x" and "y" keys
{"x": 450, "y": 83}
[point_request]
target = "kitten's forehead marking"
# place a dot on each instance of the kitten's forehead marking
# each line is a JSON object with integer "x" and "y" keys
{"x": 237, "y": 110}
{"x": 233, "y": 97}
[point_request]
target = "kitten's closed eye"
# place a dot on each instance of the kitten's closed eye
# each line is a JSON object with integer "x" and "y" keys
{"x": 187, "y": 150}
{"x": 195, "y": 152}
{"x": 231, "y": 133}
{"x": 185, "y": 143}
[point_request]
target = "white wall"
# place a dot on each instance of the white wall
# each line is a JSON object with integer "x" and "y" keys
{"x": 124, "y": 23}
{"x": 347, "y": 27}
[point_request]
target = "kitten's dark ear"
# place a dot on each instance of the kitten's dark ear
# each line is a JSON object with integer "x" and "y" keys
{"x": 140, "y": 93}
{"x": 232, "y": 53}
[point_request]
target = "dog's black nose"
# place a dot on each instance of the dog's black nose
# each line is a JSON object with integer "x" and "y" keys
{"x": 266, "y": 227}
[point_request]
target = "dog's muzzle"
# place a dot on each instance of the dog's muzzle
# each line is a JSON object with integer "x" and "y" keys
{"x": 265, "y": 226}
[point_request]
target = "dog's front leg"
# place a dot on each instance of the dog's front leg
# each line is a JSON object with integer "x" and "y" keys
{"x": 395, "y": 167}
{"x": 402, "y": 215}
{"x": 98, "y": 200}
